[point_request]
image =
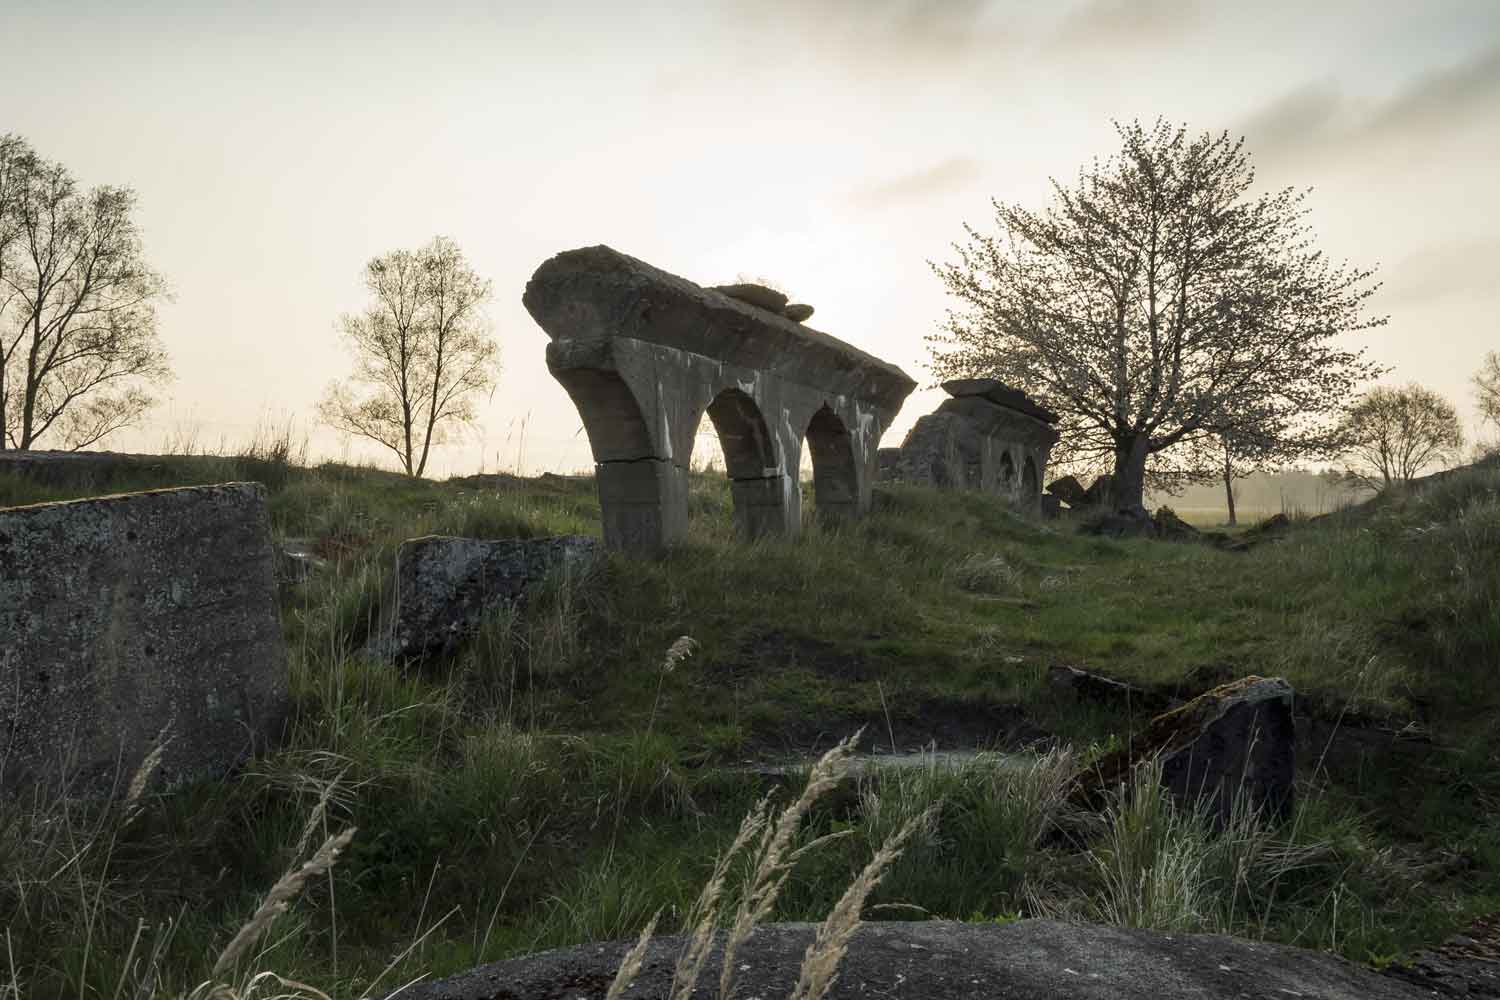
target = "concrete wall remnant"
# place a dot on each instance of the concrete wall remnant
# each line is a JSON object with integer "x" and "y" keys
{"x": 125, "y": 617}
{"x": 645, "y": 354}
{"x": 987, "y": 436}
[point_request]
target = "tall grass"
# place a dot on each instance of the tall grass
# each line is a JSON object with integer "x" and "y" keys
{"x": 553, "y": 783}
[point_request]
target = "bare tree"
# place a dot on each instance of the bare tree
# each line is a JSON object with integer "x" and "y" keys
{"x": 422, "y": 349}
{"x": 1156, "y": 303}
{"x": 77, "y": 306}
{"x": 1397, "y": 432}
{"x": 1487, "y": 388}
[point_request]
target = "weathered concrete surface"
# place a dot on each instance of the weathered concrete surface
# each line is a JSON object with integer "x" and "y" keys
{"x": 645, "y": 354}
{"x": 443, "y": 586}
{"x": 124, "y": 616}
{"x": 987, "y": 437}
{"x": 1235, "y": 738}
{"x": 942, "y": 960}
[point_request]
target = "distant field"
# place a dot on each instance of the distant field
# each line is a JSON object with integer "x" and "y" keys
{"x": 1213, "y": 517}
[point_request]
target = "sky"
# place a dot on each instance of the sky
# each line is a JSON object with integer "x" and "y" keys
{"x": 832, "y": 146}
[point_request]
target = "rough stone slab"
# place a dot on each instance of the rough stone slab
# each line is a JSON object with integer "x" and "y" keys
{"x": 444, "y": 585}
{"x": 124, "y": 616}
{"x": 1000, "y": 394}
{"x": 1236, "y": 737}
{"x": 943, "y": 960}
{"x": 598, "y": 293}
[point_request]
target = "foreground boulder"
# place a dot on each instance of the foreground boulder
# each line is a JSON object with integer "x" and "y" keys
{"x": 942, "y": 960}
{"x": 126, "y": 617}
{"x": 443, "y": 586}
{"x": 1238, "y": 736}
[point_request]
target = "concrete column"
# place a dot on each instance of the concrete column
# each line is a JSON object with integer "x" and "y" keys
{"x": 643, "y": 503}
{"x": 769, "y": 506}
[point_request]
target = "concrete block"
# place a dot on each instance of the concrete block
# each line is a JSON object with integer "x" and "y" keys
{"x": 123, "y": 617}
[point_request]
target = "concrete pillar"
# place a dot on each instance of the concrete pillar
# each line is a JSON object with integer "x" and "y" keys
{"x": 643, "y": 504}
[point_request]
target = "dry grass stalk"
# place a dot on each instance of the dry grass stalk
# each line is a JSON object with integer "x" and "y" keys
{"x": 820, "y": 963}
{"x": 280, "y": 897}
{"x": 142, "y": 777}
{"x": 701, "y": 918}
{"x": 775, "y": 856}
{"x": 631, "y": 963}
{"x": 682, "y": 647}
{"x": 254, "y": 989}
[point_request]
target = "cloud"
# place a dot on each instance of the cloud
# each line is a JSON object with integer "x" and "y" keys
{"x": 947, "y": 175}
{"x": 914, "y": 31}
{"x": 1461, "y": 269}
{"x": 1297, "y": 119}
{"x": 1320, "y": 119}
{"x": 1439, "y": 99}
{"x": 1126, "y": 24}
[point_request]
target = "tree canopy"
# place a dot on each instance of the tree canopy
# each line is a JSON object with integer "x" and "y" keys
{"x": 422, "y": 350}
{"x": 1487, "y": 388}
{"x": 78, "y": 338}
{"x": 1158, "y": 303}
{"x": 1395, "y": 433}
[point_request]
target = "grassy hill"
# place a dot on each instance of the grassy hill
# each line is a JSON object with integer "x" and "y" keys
{"x": 563, "y": 778}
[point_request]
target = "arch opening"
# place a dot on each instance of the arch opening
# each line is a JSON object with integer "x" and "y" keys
{"x": 835, "y": 475}
{"x": 1007, "y": 483}
{"x": 752, "y": 463}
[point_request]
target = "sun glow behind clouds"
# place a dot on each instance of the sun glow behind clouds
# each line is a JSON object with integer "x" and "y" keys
{"x": 832, "y": 145}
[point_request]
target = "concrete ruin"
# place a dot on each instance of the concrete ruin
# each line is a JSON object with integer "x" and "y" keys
{"x": 988, "y": 437}
{"x": 125, "y": 618}
{"x": 644, "y": 354}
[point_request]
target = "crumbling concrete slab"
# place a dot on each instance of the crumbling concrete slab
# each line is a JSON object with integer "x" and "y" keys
{"x": 988, "y": 436}
{"x": 124, "y": 617}
{"x": 645, "y": 354}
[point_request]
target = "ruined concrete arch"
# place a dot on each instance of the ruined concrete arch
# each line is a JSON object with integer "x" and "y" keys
{"x": 836, "y": 480}
{"x": 612, "y": 416}
{"x": 1031, "y": 482}
{"x": 644, "y": 354}
{"x": 642, "y": 489}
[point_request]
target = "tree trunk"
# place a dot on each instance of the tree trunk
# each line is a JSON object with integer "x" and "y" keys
{"x": 1229, "y": 485}
{"x": 1130, "y": 475}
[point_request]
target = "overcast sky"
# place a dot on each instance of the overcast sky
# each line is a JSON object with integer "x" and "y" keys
{"x": 834, "y": 146}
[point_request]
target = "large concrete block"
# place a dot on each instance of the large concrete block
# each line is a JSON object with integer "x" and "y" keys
{"x": 126, "y": 616}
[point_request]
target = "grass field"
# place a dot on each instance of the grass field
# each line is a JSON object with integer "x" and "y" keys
{"x": 564, "y": 778}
